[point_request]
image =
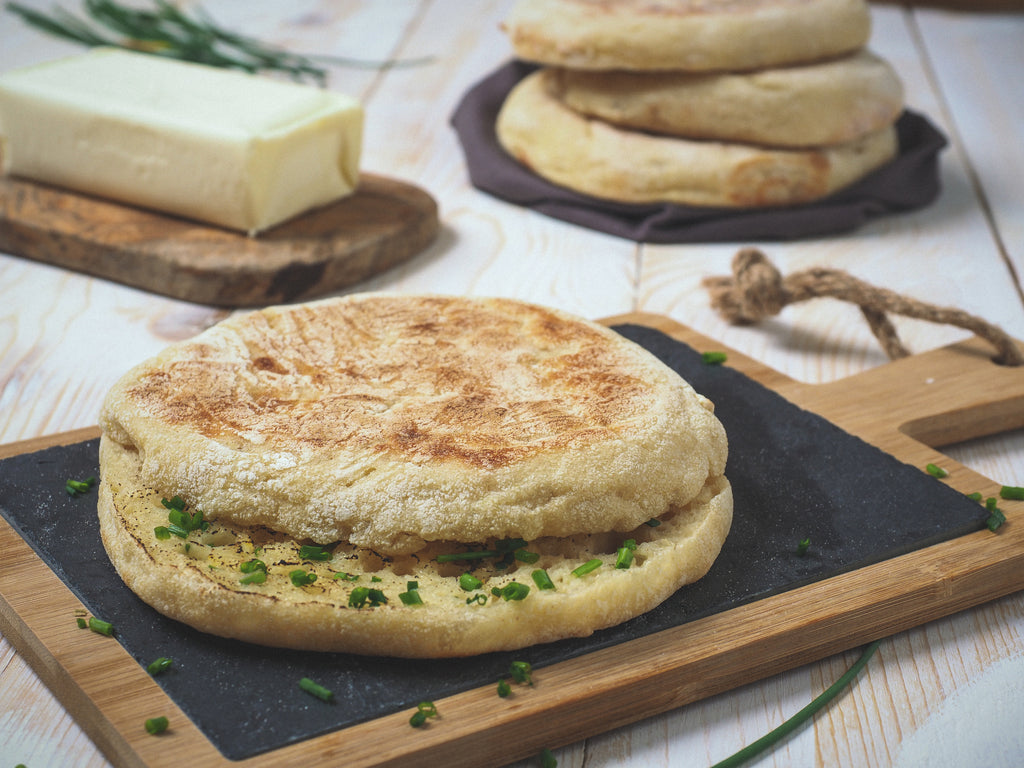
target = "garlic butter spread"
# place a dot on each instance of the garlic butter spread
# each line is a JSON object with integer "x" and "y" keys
{"x": 233, "y": 149}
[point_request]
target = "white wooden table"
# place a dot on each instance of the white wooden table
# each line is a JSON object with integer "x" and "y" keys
{"x": 956, "y": 684}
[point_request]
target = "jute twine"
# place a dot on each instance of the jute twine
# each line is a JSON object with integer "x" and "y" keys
{"x": 757, "y": 290}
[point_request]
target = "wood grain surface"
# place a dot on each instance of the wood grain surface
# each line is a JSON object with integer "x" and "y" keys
{"x": 382, "y": 224}
{"x": 108, "y": 692}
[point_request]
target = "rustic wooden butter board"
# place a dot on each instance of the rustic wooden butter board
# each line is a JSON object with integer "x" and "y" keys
{"x": 382, "y": 224}
{"x": 904, "y": 407}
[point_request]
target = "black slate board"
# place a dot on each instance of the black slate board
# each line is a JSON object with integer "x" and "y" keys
{"x": 794, "y": 475}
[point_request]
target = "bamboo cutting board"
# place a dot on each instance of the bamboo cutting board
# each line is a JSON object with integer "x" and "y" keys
{"x": 382, "y": 224}
{"x": 903, "y": 407}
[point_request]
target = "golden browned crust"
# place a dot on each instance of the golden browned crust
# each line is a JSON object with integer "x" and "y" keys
{"x": 690, "y": 35}
{"x": 818, "y": 104}
{"x": 392, "y": 421}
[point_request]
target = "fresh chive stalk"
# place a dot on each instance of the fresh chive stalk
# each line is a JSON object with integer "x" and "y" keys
{"x": 805, "y": 714}
{"x": 165, "y": 30}
{"x": 314, "y": 552}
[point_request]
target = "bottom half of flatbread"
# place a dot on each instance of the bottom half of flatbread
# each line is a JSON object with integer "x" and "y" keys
{"x": 603, "y": 160}
{"x": 355, "y": 602}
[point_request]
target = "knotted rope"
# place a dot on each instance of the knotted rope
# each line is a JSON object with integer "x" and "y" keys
{"x": 757, "y": 290}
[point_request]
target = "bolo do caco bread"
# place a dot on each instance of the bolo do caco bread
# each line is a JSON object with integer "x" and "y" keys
{"x": 716, "y": 103}
{"x": 415, "y": 476}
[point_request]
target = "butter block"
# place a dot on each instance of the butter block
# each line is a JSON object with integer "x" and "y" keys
{"x": 237, "y": 150}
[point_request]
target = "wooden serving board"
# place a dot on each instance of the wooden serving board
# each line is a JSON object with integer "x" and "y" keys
{"x": 904, "y": 407}
{"x": 384, "y": 223}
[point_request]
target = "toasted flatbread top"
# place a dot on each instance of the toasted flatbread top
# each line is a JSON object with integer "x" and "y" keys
{"x": 691, "y": 35}
{"x": 807, "y": 105}
{"x": 209, "y": 579}
{"x": 390, "y": 421}
{"x": 597, "y": 158}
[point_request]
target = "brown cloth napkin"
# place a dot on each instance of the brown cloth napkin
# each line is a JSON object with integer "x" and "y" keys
{"x": 908, "y": 182}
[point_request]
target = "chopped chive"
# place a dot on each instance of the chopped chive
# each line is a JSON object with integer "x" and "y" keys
{"x": 504, "y": 689}
{"x": 424, "y": 710}
{"x": 713, "y": 358}
{"x": 587, "y": 567}
{"x": 78, "y": 487}
{"x": 624, "y": 556}
{"x": 250, "y": 566}
{"x": 176, "y": 503}
{"x": 468, "y": 582}
{"x": 935, "y": 471}
{"x": 548, "y": 759}
{"x": 411, "y": 596}
{"x": 524, "y": 556}
{"x": 511, "y": 591}
{"x": 162, "y": 532}
{"x": 542, "y": 579}
{"x": 521, "y": 672}
{"x": 1012, "y": 492}
{"x": 976, "y": 496}
{"x": 301, "y": 578}
{"x": 995, "y": 519}
{"x": 101, "y": 627}
{"x": 256, "y": 577}
{"x": 315, "y": 689}
{"x": 475, "y": 554}
{"x": 156, "y": 725}
{"x": 653, "y": 522}
{"x": 800, "y": 717}
{"x": 82, "y": 623}
{"x": 346, "y": 576}
{"x": 362, "y": 596}
{"x": 479, "y": 599}
{"x": 158, "y": 666}
{"x": 802, "y": 546}
{"x": 313, "y": 552}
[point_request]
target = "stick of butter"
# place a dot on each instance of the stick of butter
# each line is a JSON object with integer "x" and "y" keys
{"x": 238, "y": 150}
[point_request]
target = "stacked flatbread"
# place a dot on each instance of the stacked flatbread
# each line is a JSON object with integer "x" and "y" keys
{"x": 700, "y": 102}
{"x": 440, "y": 465}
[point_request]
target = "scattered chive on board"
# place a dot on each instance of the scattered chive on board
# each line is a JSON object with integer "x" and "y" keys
{"x": 159, "y": 666}
{"x": 156, "y": 725}
{"x": 315, "y": 689}
{"x": 424, "y": 710}
{"x": 713, "y": 358}
{"x": 1012, "y": 492}
{"x": 936, "y": 471}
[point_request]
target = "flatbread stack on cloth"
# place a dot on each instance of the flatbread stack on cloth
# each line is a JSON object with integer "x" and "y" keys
{"x": 741, "y": 103}
{"x": 414, "y": 476}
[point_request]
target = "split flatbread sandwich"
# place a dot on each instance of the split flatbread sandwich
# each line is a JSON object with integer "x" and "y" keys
{"x": 418, "y": 476}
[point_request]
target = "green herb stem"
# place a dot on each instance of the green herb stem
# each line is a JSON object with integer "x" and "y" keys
{"x": 1012, "y": 492}
{"x": 755, "y": 748}
{"x": 159, "y": 666}
{"x": 315, "y": 689}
